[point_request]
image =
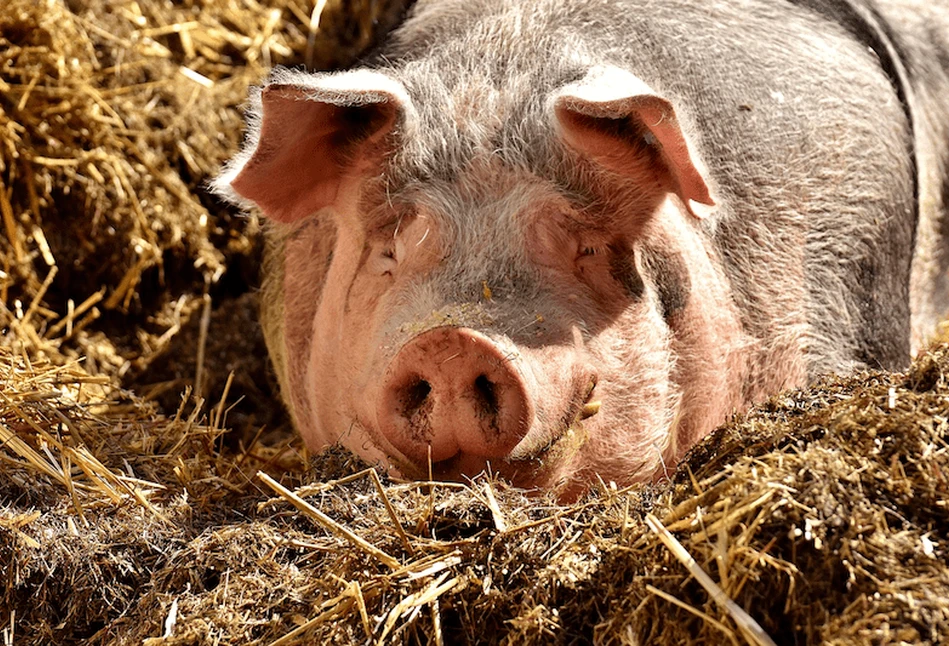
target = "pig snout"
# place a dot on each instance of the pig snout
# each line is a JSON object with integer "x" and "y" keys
{"x": 456, "y": 391}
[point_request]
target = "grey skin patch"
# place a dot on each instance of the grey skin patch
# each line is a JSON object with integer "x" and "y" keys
{"x": 623, "y": 270}
{"x": 667, "y": 272}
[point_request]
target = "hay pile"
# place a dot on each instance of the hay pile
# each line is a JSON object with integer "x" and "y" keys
{"x": 131, "y": 511}
{"x": 823, "y": 515}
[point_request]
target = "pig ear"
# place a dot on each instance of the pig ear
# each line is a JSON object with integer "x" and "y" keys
{"x": 307, "y": 133}
{"x": 616, "y": 119}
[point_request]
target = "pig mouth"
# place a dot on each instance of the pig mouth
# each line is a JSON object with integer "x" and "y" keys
{"x": 535, "y": 470}
{"x": 538, "y": 461}
{"x": 453, "y": 402}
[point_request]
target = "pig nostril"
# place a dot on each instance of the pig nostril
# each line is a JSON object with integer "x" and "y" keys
{"x": 486, "y": 395}
{"x": 414, "y": 396}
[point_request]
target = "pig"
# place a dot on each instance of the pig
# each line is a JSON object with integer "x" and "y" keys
{"x": 563, "y": 241}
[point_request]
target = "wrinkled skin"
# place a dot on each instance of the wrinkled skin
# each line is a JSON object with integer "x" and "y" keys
{"x": 564, "y": 241}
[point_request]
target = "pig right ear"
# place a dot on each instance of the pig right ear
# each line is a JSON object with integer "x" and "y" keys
{"x": 307, "y": 133}
{"x": 617, "y": 120}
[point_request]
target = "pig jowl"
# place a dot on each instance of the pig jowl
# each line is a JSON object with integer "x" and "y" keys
{"x": 526, "y": 238}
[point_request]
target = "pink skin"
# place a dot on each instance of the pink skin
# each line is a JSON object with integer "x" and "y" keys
{"x": 378, "y": 360}
{"x": 661, "y": 388}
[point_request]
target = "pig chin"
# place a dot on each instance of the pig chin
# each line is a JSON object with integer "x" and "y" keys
{"x": 579, "y": 455}
{"x": 563, "y": 445}
{"x": 548, "y": 469}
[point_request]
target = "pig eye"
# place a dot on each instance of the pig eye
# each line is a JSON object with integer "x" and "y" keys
{"x": 590, "y": 259}
{"x": 387, "y": 261}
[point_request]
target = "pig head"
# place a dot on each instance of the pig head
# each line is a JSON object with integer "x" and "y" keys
{"x": 527, "y": 266}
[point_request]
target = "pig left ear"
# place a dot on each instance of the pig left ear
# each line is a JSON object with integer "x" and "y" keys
{"x": 307, "y": 133}
{"x": 616, "y": 119}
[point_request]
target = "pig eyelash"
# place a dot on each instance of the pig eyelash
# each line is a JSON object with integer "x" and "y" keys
{"x": 589, "y": 251}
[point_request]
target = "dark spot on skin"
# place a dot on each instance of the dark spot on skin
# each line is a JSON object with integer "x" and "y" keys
{"x": 623, "y": 270}
{"x": 668, "y": 273}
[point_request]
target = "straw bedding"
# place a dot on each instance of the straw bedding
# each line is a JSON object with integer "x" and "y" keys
{"x": 151, "y": 492}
